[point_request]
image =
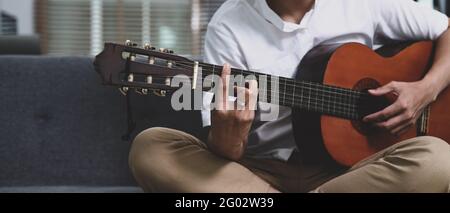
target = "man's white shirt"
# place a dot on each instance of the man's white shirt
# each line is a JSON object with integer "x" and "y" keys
{"x": 247, "y": 34}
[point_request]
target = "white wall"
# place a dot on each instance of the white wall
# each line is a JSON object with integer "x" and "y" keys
{"x": 23, "y": 10}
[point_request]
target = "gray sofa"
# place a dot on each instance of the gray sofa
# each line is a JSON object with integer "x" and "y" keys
{"x": 61, "y": 129}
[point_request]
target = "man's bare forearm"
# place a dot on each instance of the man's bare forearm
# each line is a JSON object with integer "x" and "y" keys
{"x": 439, "y": 75}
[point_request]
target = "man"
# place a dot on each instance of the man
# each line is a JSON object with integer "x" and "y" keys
{"x": 244, "y": 154}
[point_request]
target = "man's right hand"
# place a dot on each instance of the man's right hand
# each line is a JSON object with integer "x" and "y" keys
{"x": 230, "y": 127}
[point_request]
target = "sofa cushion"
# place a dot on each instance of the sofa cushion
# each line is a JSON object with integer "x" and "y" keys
{"x": 61, "y": 126}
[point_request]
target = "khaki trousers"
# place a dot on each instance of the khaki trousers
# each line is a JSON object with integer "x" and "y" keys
{"x": 166, "y": 160}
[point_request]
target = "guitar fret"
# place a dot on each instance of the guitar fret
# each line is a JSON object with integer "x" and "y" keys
{"x": 309, "y": 98}
{"x": 328, "y": 106}
{"x": 316, "y": 99}
{"x": 284, "y": 94}
{"x": 323, "y": 100}
{"x": 334, "y": 106}
{"x": 293, "y": 94}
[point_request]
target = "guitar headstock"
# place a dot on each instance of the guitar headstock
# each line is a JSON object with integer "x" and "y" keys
{"x": 145, "y": 69}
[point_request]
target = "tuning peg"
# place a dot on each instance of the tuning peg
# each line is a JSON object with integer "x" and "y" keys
{"x": 148, "y": 46}
{"x": 130, "y": 43}
{"x": 164, "y": 50}
{"x": 145, "y": 91}
{"x": 124, "y": 90}
{"x": 169, "y": 63}
{"x": 151, "y": 59}
{"x": 160, "y": 93}
{"x": 130, "y": 77}
{"x": 142, "y": 91}
{"x": 149, "y": 79}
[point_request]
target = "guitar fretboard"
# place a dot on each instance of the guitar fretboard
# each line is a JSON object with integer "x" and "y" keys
{"x": 309, "y": 96}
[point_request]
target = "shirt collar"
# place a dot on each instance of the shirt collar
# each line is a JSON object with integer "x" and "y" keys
{"x": 271, "y": 16}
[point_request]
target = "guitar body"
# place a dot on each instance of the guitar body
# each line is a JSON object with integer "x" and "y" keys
{"x": 355, "y": 66}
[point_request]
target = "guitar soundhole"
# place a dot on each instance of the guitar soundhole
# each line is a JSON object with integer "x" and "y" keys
{"x": 367, "y": 106}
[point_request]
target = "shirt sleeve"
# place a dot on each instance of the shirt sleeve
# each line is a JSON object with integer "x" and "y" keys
{"x": 407, "y": 20}
{"x": 220, "y": 47}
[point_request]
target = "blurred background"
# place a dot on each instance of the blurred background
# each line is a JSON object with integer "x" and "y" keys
{"x": 79, "y": 27}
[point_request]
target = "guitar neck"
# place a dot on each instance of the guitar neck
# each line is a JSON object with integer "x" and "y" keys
{"x": 309, "y": 96}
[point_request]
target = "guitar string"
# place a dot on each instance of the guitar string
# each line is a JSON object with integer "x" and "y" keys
{"x": 337, "y": 108}
{"x": 322, "y": 88}
{"x": 329, "y": 94}
{"x": 190, "y": 65}
{"x": 348, "y": 103}
{"x": 349, "y": 99}
{"x": 356, "y": 94}
{"x": 319, "y": 97}
{"x": 342, "y": 108}
{"x": 214, "y": 67}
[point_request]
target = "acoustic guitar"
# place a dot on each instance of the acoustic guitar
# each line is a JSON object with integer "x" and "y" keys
{"x": 329, "y": 96}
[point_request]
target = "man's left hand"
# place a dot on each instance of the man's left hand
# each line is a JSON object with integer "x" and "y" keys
{"x": 412, "y": 99}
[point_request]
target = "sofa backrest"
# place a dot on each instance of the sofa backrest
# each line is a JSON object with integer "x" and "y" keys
{"x": 60, "y": 126}
{"x": 24, "y": 45}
